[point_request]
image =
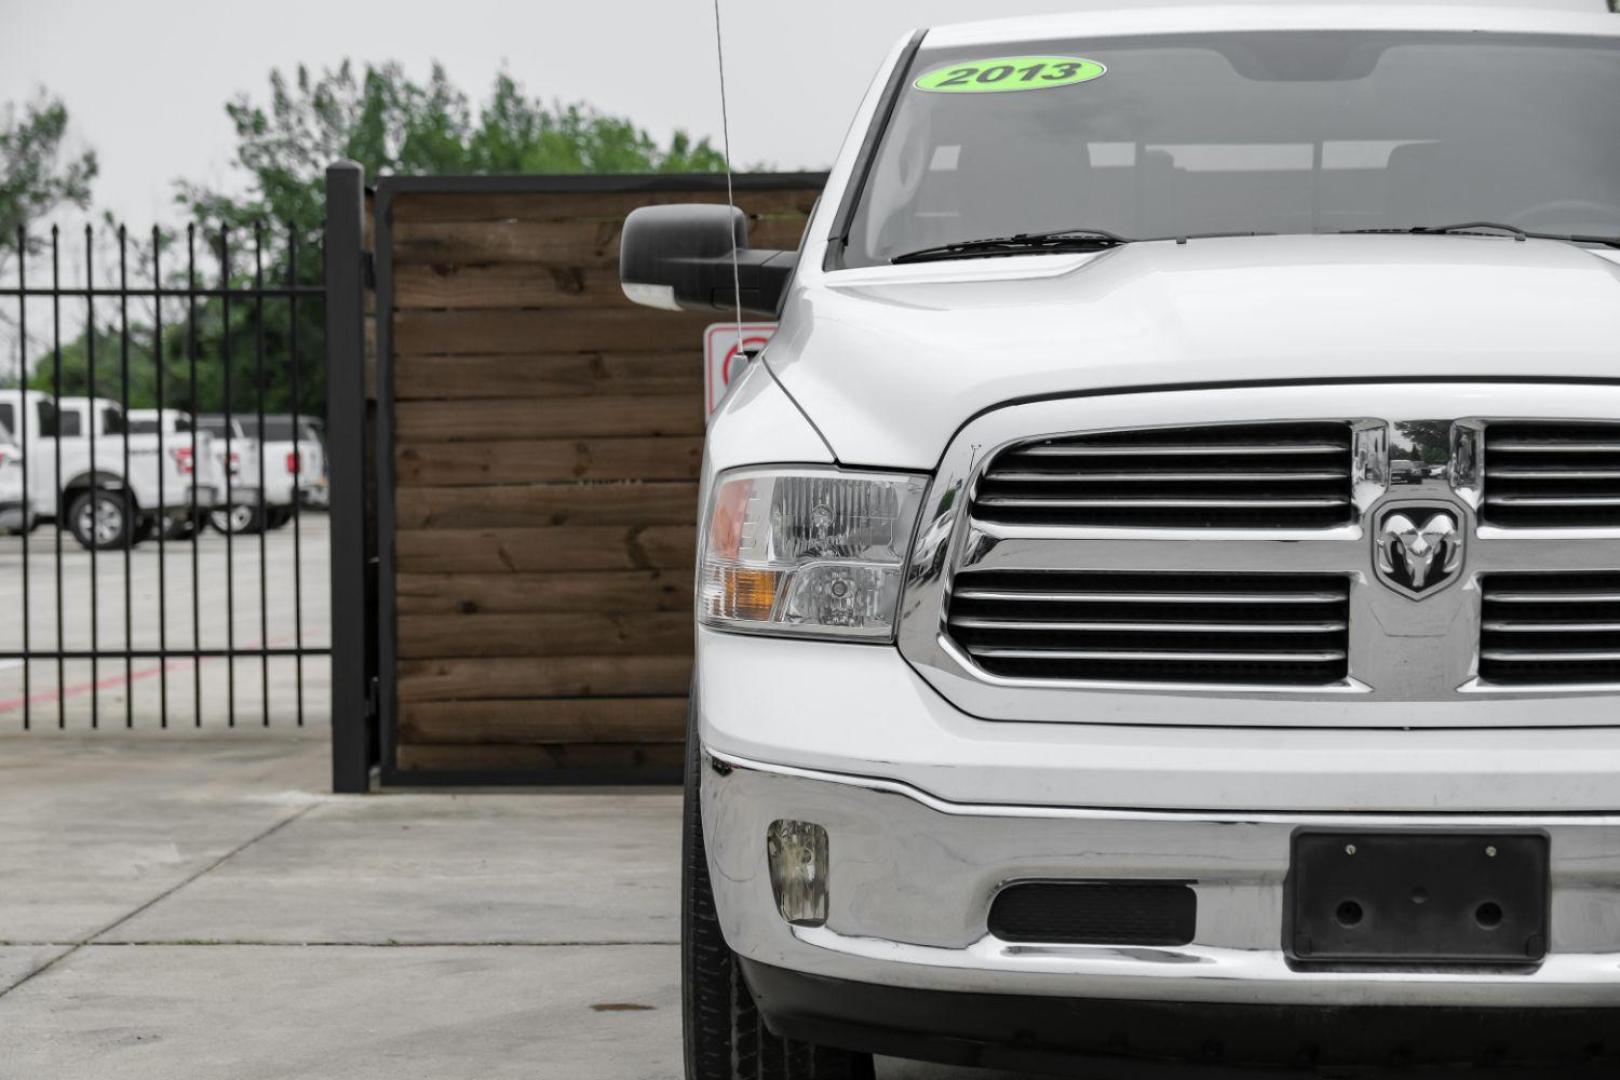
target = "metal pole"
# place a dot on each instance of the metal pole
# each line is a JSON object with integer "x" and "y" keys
{"x": 345, "y": 448}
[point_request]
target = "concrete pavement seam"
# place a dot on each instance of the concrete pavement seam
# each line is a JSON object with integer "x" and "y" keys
{"x": 159, "y": 898}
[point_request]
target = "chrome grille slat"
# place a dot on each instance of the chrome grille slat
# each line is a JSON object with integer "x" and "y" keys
{"x": 1162, "y": 655}
{"x": 1174, "y": 504}
{"x": 1553, "y": 446}
{"x": 1520, "y": 656}
{"x": 1184, "y": 449}
{"x": 1091, "y": 626}
{"x": 1554, "y": 597}
{"x": 1050, "y": 597}
{"x": 1164, "y": 627}
{"x": 1261, "y": 475}
{"x": 1552, "y": 474}
{"x": 1552, "y": 500}
{"x": 1181, "y": 477}
{"x": 1542, "y": 629}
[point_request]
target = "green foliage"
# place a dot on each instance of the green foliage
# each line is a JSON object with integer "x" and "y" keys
{"x": 390, "y": 124}
{"x": 36, "y": 177}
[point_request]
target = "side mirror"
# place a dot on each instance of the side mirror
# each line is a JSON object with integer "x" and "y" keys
{"x": 679, "y": 258}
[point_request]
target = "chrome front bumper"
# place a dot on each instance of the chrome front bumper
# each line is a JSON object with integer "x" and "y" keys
{"x": 912, "y": 878}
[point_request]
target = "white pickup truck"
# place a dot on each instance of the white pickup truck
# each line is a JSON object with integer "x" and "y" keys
{"x": 112, "y": 489}
{"x": 197, "y": 451}
{"x": 292, "y": 456}
{"x": 248, "y": 513}
{"x": 1077, "y": 671}
{"x": 14, "y": 513}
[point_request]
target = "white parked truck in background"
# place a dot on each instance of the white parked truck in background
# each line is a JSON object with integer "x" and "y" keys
{"x": 197, "y": 452}
{"x": 248, "y": 511}
{"x": 111, "y": 490}
{"x": 14, "y": 512}
{"x": 292, "y": 458}
{"x": 1089, "y": 661}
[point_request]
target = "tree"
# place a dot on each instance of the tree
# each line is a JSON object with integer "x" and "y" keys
{"x": 36, "y": 175}
{"x": 390, "y": 124}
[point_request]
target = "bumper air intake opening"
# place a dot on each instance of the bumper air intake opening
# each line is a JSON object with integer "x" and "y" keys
{"x": 1096, "y": 913}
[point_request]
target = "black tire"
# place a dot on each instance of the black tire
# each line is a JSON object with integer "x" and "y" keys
{"x": 724, "y": 1036}
{"x": 241, "y": 520}
{"x": 182, "y": 528}
{"x": 275, "y": 519}
{"x": 102, "y": 520}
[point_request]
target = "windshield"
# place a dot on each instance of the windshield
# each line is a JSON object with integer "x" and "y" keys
{"x": 1274, "y": 132}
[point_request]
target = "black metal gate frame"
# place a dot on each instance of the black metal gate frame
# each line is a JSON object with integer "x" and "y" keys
{"x": 225, "y": 292}
{"x": 344, "y": 190}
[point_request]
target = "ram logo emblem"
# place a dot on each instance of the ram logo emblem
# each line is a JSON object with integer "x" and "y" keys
{"x": 1419, "y": 551}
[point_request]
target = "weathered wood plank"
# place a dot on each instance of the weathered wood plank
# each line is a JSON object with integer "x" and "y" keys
{"x": 531, "y": 506}
{"x": 550, "y": 375}
{"x": 543, "y": 460}
{"x": 429, "y": 637}
{"x": 494, "y": 206}
{"x": 507, "y": 285}
{"x": 554, "y": 330}
{"x": 578, "y": 244}
{"x": 495, "y": 551}
{"x": 531, "y": 677}
{"x": 542, "y": 722}
{"x": 663, "y": 758}
{"x": 524, "y": 419}
{"x": 610, "y": 591}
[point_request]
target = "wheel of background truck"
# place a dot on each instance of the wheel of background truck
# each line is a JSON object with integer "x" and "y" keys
{"x": 724, "y": 1036}
{"x": 101, "y": 521}
{"x": 277, "y": 517}
{"x": 181, "y": 528}
{"x": 236, "y": 520}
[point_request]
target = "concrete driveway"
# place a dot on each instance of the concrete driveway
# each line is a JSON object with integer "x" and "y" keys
{"x": 197, "y": 906}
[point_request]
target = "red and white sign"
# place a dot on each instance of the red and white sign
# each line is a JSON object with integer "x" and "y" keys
{"x": 722, "y": 361}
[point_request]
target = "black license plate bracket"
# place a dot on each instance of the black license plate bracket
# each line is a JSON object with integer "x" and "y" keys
{"x": 1417, "y": 899}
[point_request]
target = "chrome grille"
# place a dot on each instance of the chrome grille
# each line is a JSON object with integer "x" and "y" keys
{"x": 1547, "y": 474}
{"x": 1238, "y": 629}
{"x": 1543, "y": 629}
{"x": 1266, "y": 476}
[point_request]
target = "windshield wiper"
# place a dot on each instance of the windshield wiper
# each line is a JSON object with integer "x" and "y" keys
{"x": 1040, "y": 243}
{"x": 1475, "y": 228}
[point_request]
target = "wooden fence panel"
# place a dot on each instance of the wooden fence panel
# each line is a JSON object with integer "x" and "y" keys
{"x": 547, "y": 440}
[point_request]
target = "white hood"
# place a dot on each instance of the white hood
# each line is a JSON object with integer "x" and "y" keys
{"x": 895, "y": 359}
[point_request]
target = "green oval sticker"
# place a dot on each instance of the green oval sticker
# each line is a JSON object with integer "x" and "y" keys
{"x": 1008, "y": 73}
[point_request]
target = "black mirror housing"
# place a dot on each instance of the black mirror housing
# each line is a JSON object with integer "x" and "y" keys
{"x": 678, "y": 258}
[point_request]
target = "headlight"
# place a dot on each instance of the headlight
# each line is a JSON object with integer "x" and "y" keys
{"x": 816, "y": 552}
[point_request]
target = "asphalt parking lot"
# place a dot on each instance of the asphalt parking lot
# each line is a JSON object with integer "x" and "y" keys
{"x": 221, "y": 576}
{"x": 201, "y": 908}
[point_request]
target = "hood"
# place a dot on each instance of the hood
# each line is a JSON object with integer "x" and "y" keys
{"x": 888, "y": 362}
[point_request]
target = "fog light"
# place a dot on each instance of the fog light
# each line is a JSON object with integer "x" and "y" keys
{"x": 798, "y": 856}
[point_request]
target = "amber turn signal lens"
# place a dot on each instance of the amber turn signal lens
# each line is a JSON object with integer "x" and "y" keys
{"x": 750, "y": 593}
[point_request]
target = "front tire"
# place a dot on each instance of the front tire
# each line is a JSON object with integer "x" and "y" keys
{"x": 102, "y": 520}
{"x": 724, "y": 1035}
{"x": 240, "y": 520}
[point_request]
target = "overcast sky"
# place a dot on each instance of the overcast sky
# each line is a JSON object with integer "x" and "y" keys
{"x": 146, "y": 80}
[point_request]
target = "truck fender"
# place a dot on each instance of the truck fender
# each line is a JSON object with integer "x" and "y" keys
{"x": 98, "y": 478}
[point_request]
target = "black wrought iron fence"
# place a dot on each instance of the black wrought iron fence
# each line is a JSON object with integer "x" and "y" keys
{"x": 162, "y": 477}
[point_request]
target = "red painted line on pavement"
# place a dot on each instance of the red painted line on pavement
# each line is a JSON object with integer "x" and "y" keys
{"x": 112, "y": 682}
